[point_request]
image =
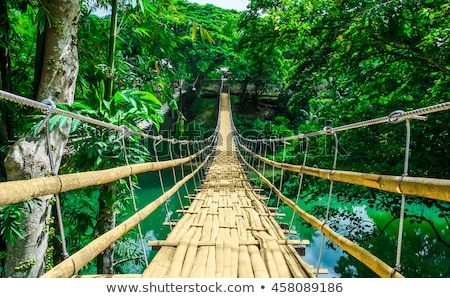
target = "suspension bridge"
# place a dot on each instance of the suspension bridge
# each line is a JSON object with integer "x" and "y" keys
{"x": 227, "y": 230}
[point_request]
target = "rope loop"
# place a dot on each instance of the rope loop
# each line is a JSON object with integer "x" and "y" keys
{"x": 399, "y": 184}
{"x": 173, "y": 141}
{"x": 158, "y": 140}
{"x": 328, "y": 130}
{"x": 126, "y": 130}
{"x": 50, "y": 105}
{"x": 396, "y": 117}
{"x": 49, "y": 109}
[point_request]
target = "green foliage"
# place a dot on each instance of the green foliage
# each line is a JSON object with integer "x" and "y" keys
{"x": 42, "y": 18}
{"x": 25, "y": 265}
{"x": 11, "y": 220}
{"x": 339, "y": 61}
{"x": 129, "y": 251}
{"x": 22, "y": 48}
{"x": 349, "y": 61}
{"x": 80, "y": 209}
{"x": 201, "y": 57}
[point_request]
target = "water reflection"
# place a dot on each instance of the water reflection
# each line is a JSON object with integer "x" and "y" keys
{"x": 422, "y": 254}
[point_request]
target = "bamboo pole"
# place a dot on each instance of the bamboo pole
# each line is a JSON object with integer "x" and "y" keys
{"x": 431, "y": 188}
{"x": 371, "y": 261}
{"x": 73, "y": 264}
{"x": 220, "y": 253}
{"x": 176, "y": 264}
{"x": 191, "y": 256}
{"x": 245, "y": 265}
{"x": 267, "y": 256}
{"x": 12, "y": 192}
{"x": 227, "y": 243}
{"x": 199, "y": 266}
{"x": 159, "y": 266}
{"x": 212, "y": 252}
{"x": 240, "y": 242}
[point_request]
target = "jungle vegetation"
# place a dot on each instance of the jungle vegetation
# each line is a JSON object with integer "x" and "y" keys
{"x": 333, "y": 62}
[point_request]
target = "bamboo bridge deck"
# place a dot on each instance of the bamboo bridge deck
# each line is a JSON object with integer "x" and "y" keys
{"x": 227, "y": 231}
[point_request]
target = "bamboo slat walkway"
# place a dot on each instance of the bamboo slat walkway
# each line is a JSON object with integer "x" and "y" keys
{"x": 227, "y": 231}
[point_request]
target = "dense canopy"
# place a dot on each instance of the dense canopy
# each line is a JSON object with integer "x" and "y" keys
{"x": 294, "y": 66}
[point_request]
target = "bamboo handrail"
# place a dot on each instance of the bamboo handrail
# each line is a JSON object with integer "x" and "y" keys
{"x": 431, "y": 188}
{"x": 240, "y": 242}
{"x": 12, "y": 192}
{"x": 81, "y": 258}
{"x": 361, "y": 254}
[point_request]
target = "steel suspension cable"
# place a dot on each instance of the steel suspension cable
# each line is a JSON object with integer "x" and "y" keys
{"x": 199, "y": 173}
{"x": 253, "y": 159}
{"x": 273, "y": 168}
{"x": 259, "y": 161}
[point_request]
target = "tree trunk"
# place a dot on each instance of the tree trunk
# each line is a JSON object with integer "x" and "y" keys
{"x": 107, "y": 216}
{"x": 109, "y": 85}
{"x": 28, "y": 157}
{"x": 243, "y": 95}
{"x": 6, "y": 132}
{"x": 106, "y": 221}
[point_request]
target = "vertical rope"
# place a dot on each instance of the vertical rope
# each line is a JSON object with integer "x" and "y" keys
{"x": 130, "y": 183}
{"x": 260, "y": 144}
{"x": 51, "y": 107}
{"x": 182, "y": 169}
{"x": 264, "y": 165}
{"x": 248, "y": 157}
{"x": 155, "y": 144}
{"x": 282, "y": 172}
{"x": 273, "y": 167}
{"x": 192, "y": 168}
{"x": 202, "y": 157}
{"x": 402, "y": 204}
{"x": 175, "y": 180}
{"x": 198, "y": 160}
{"x": 64, "y": 252}
{"x": 329, "y": 131}
{"x": 300, "y": 184}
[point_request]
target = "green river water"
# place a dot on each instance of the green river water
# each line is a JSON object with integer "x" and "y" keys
{"x": 422, "y": 255}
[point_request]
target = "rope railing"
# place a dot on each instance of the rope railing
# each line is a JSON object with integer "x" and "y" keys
{"x": 37, "y": 187}
{"x": 48, "y": 106}
{"x": 12, "y": 192}
{"x": 81, "y": 258}
{"x": 32, "y": 188}
{"x": 431, "y": 188}
{"x": 375, "y": 264}
{"x": 422, "y": 187}
{"x": 394, "y": 117}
